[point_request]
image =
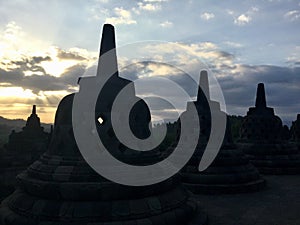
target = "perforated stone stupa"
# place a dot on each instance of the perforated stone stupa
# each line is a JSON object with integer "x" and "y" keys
{"x": 262, "y": 140}
{"x": 62, "y": 189}
{"x": 231, "y": 171}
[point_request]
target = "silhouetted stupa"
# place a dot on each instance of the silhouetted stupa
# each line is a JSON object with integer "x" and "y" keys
{"x": 262, "y": 139}
{"x": 22, "y": 149}
{"x": 27, "y": 145}
{"x": 231, "y": 171}
{"x": 62, "y": 189}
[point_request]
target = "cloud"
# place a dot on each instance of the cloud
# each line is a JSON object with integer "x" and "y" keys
{"x": 19, "y": 105}
{"x": 207, "y": 16}
{"x": 68, "y": 55}
{"x": 242, "y": 20}
{"x": 39, "y": 80}
{"x": 281, "y": 83}
{"x": 238, "y": 81}
{"x": 166, "y": 24}
{"x": 230, "y": 12}
{"x": 39, "y": 59}
{"x": 294, "y": 58}
{"x": 149, "y": 6}
{"x": 292, "y": 15}
{"x": 189, "y": 57}
{"x": 254, "y": 9}
{"x": 102, "y": 1}
{"x": 15, "y": 43}
{"x": 29, "y": 66}
{"x": 155, "y": 1}
{"x": 233, "y": 44}
{"x": 34, "y": 72}
{"x": 12, "y": 31}
{"x": 123, "y": 16}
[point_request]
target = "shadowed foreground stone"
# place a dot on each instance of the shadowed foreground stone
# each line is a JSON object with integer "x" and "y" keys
{"x": 61, "y": 188}
{"x": 231, "y": 171}
{"x": 262, "y": 139}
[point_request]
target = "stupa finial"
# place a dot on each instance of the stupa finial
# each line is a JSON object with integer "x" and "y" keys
{"x": 108, "y": 39}
{"x": 107, "y": 64}
{"x": 34, "y": 110}
{"x": 260, "y": 96}
{"x": 204, "y": 86}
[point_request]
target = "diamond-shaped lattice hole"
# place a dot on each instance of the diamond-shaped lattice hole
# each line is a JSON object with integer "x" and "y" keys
{"x": 100, "y": 120}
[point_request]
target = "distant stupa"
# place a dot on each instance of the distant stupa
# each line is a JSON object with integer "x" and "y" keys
{"x": 27, "y": 145}
{"x": 262, "y": 139}
{"x": 22, "y": 149}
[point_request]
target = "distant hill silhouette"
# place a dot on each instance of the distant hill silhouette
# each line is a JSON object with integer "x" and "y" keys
{"x": 15, "y": 123}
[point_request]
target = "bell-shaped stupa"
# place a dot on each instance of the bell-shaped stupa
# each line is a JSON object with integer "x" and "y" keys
{"x": 231, "y": 171}
{"x": 262, "y": 139}
{"x": 62, "y": 189}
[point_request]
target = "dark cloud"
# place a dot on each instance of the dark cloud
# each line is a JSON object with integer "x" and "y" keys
{"x": 40, "y": 80}
{"x": 239, "y": 82}
{"x": 226, "y": 55}
{"x": 297, "y": 63}
{"x": 282, "y": 86}
{"x": 156, "y": 103}
{"x": 39, "y": 59}
{"x": 69, "y": 55}
{"x": 134, "y": 71}
{"x": 29, "y": 64}
{"x": 71, "y": 75}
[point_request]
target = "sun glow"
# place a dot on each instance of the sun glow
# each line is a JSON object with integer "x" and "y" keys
{"x": 16, "y": 92}
{"x": 23, "y": 55}
{"x": 57, "y": 67}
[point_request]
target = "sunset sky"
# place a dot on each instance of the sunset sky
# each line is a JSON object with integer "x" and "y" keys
{"x": 46, "y": 45}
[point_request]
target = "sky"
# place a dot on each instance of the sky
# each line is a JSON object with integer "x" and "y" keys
{"x": 46, "y": 45}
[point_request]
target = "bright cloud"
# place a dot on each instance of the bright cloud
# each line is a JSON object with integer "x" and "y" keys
{"x": 166, "y": 24}
{"x": 14, "y": 43}
{"x": 149, "y": 6}
{"x": 207, "y": 16}
{"x": 242, "y": 20}
{"x": 233, "y": 44}
{"x": 155, "y": 0}
{"x": 292, "y": 15}
{"x": 123, "y": 16}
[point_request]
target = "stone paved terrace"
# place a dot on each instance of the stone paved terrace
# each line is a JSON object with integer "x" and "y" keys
{"x": 278, "y": 204}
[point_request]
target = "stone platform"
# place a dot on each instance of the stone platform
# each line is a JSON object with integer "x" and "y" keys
{"x": 277, "y": 204}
